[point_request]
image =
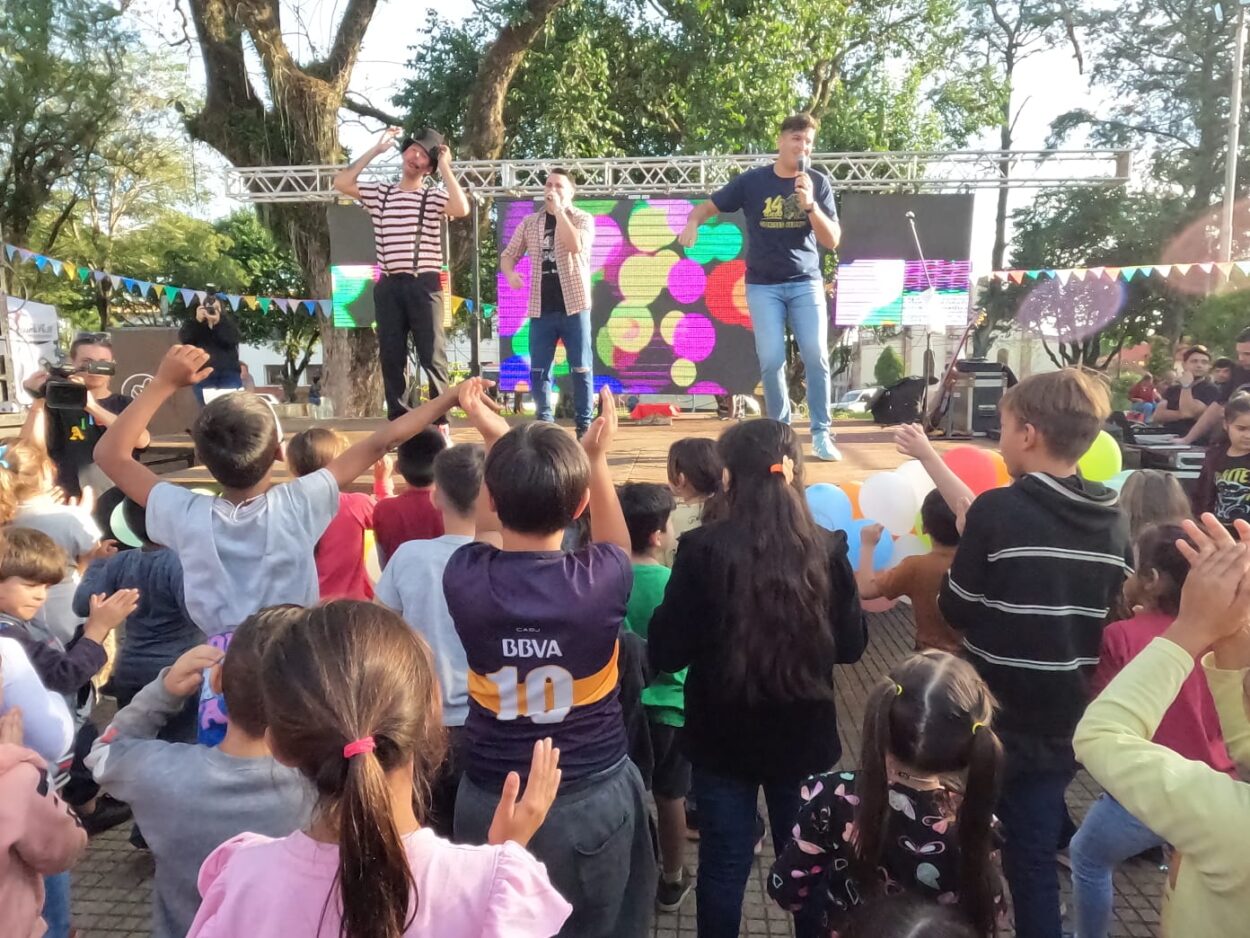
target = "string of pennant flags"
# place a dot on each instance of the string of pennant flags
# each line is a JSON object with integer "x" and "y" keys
{"x": 1127, "y": 274}
{"x": 171, "y": 293}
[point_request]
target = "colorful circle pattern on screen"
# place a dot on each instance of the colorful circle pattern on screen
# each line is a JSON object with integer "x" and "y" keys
{"x": 630, "y": 328}
{"x": 684, "y": 372}
{"x": 694, "y": 337}
{"x": 608, "y": 245}
{"x": 726, "y": 294}
{"x": 644, "y": 276}
{"x": 706, "y": 387}
{"x": 649, "y": 228}
{"x": 686, "y": 281}
{"x": 721, "y": 241}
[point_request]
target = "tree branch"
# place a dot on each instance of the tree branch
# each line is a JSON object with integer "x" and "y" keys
{"x": 368, "y": 110}
{"x": 337, "y": 66}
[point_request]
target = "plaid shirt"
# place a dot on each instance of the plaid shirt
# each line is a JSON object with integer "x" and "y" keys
{"x": 574, "y": 269}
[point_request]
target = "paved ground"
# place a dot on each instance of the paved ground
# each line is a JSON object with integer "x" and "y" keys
{"x": 111, "y": 886}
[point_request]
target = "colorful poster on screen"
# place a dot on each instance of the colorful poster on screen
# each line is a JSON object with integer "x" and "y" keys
{"x": 895, "y": 292}
{"x": 665, "y": 320}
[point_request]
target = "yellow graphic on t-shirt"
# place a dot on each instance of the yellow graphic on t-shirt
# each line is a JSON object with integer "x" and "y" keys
{"x": 782, "y": 212}
{"x": 76, "y": 435}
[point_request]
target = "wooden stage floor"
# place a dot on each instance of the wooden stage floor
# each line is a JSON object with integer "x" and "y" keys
{"x": 639, "y": 455}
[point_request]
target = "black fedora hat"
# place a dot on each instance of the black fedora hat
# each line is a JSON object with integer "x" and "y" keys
{"x": 428, "y": 138}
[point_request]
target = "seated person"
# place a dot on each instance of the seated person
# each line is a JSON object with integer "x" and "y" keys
{"x": 1185, "y": 402}
{"x": 1222, "y": 372}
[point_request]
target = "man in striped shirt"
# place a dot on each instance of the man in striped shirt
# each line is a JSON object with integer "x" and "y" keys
{"x": 407, "y": 230}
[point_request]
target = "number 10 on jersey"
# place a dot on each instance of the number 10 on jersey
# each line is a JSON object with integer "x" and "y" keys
{"x": 545, "y": 697}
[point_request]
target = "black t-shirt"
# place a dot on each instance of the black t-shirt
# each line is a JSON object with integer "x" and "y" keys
{"x": 1203, "y": 390}
{"x": 1237, "y": 380}
{"x": 72, "y": 436}
{"x": 553, "y": 293}
{"x": 1224, "y": 486}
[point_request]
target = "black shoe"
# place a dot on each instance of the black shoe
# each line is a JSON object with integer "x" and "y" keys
{"x": 108, "y": 813}
{"x": 670, "y": 896}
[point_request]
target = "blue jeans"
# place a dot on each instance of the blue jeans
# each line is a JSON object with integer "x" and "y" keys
{"x": 56, "y": 907}
{"x": 218, "y": 380}
{"x": 1145, "y": 408}
{"x": 801, "y": 305}
{"x": 1033, "y": 814}
{"x": 1109, "y": 836}
{"x": 574, "y": 332}
{"x": 727, "y": 844}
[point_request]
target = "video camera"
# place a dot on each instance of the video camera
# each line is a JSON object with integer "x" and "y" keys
{"x": 60, "y": 391}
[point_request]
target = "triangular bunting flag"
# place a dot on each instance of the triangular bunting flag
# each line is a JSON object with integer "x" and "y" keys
{"x": 115, "y": 280}
{"x": 128, "y": 284}
{"x": 1243, "y": 266}
{"x": 200, "y": 296}
{"x": 1015, "y": 276}
{"x": 1063, "y": 276}
{"x": 1032, "y": 274}
{"x": 1094, "y": 273}
{"x": 10, "y": 250}
{"x": 40, "y": 261}
{"x": 25, "y": 255}
{"x": 1128, "y": 273}
{"x": 84, "y": 273}
{"x": 468, "y": 304}
{"x": 283, "y": 303}
{"x": 488, "y": 310}
{"x": 264, "y": 302}
{"x": 1206, "y": 267}
{"x": 1079, "y": 273}
{"x": 310, "y": 306}
{"x": 248, "y": 300}
{"x": 145, "y": 287}
{"x": 233, "y": 300}
{"x": 1226, "y": 270}
{"x": 1181, "y": 269}
{"x": 1000, "y": 275}
{"x": 1146, "y": 272}
{"x": 1111, "y": 272}
{"x": 57, "y": 267}
{"x": 1163, "y": 270}
{"x": 326, "y": 307}
{"x": 187, "y": 295}
{"x": 99, "y": 275}
{"x": 171, "y": 293}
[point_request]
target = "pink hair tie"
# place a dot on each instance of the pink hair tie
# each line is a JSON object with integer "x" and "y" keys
{"x": 358, "y": 746}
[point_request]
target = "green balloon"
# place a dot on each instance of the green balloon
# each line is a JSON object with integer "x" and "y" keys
{"x": 1102, "y": 460}
{"x": 121, "y": 530}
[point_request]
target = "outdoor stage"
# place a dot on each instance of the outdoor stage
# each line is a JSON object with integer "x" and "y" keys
{"x": 640, "y": 453}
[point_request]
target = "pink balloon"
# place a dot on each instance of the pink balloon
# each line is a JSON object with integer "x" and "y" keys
{"x": 974, "y": 467}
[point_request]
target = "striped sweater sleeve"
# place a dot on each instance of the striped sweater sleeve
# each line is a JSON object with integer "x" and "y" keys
{"x": 969, "y": 572}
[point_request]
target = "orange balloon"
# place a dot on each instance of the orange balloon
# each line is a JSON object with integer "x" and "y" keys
{"x": 1000, "y": 467}
{"x": 852, "y": 492}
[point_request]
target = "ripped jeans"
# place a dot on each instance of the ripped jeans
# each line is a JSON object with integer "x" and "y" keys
{"x": 574, "y": 331}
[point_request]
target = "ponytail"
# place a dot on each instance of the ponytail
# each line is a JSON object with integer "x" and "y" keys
{"x": 872, "y": 787}
{"x": 974, "y": 826}
{"x": 376, "y": 886}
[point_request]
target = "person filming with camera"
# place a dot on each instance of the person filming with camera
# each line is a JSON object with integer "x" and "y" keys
{"x": 67, "y": 422}
{"x": 216, "y": 332}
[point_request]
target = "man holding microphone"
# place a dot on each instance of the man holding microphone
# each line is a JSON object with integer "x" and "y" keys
{"x": 407, "y": 231}
{"x": 558, "y": 240}
{"x": 789, "y": 211}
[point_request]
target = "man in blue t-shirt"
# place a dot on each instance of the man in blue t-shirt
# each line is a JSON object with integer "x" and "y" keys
{"x": 789, "y": 210}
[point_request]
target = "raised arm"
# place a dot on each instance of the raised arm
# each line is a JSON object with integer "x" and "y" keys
{"x": 345, "y": 179}
{"x": 911, "y": 441}
{"x": 481, "y": 411}
{"x": 347, "y": 466}
{"x": 457, "y": 201}
{"x": 182, "y": 366}
{"x": 701, "y": 213}
{"x": 35, "y": 427}
{"x": 607, "y": 521}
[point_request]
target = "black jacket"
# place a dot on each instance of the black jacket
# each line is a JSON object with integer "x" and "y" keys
{"x": 724, "y": 734}
{"x": 1039, "y": 568}
{"x": 221, "y": 342}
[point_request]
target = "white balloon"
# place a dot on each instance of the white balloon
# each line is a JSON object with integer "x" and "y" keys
{"x": 915, "y": 474}
{"x": 909, "y": 545}
{"x": 890, "y": 500}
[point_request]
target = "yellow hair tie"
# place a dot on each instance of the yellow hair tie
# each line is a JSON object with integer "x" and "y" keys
{"x": 975, "y": 727}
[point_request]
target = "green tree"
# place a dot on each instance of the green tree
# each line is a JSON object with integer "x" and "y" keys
{"x": 65, "y": 80}
{"x": 889, "y": 368}
{"x": 1217, "y": 320}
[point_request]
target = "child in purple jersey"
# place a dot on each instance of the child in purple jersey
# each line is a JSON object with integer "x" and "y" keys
{"x": 540, "y": 633}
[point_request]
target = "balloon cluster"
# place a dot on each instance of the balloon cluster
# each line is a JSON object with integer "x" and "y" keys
{"x": 893, "y": 499}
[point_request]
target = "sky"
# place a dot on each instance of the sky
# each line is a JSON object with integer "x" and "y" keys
{"x": 1048, "y": 84}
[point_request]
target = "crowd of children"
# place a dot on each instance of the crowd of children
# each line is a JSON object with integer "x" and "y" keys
{"x": 513, "y": 728}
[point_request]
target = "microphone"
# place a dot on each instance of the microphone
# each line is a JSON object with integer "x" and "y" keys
{"x": 805, "y": 163}
{"x": 911, "y": 217}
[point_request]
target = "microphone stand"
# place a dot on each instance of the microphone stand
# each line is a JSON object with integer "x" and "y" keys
{"x": 924, "y": 265}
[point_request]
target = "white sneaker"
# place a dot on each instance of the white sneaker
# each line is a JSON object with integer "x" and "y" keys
{"x": 823, "y": 448}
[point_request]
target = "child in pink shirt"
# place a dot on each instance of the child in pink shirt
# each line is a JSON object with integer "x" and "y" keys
{"x": 354, "y": 705}
{"x": 340, "y": 553}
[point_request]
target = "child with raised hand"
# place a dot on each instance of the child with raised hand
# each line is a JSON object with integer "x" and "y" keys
{"x": 159, "y": 630}
{"x": 339, "y": 553}
{"x": 648, "y": 512}
{"x": 252, "y": 546}
{"x": 1224, "y": 484}
{"x": 760, "y": 607}
{"x": 41, "y": 507}
{"x": 1204, "y": 813}
{"x": 896, "y": 824}
{"x": 918, "y": 578}
{"x": 412, "y": 585}
{"x": 353, "y": 705}
{"x": 189, "y": 799}
{"x": 39, "y": 835}
{"x": 411, "y": 515}
{"x": 1039, "y": 568}
{"x": 1110, "y": 834}
{"x": 540, "y": 632}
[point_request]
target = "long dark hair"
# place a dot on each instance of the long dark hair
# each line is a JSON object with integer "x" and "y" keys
{"x": 933, "y": 713}
{"x": 698, "y": 459}
{"x": 778, "y": 587}
{"x": 343, "y": 672}
{"x": 1161, "y": 563}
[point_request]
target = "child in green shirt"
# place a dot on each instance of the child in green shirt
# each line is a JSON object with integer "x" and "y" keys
{"x": 648, "y": 510}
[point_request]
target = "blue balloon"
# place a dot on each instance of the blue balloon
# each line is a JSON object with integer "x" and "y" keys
{"x": 1117, "y": 481}
{"x": 884, "y": 549}
{"x": 831, "y": 507}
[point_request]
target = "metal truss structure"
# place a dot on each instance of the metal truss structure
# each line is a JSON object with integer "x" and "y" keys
{"x": 623, "y": 177}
